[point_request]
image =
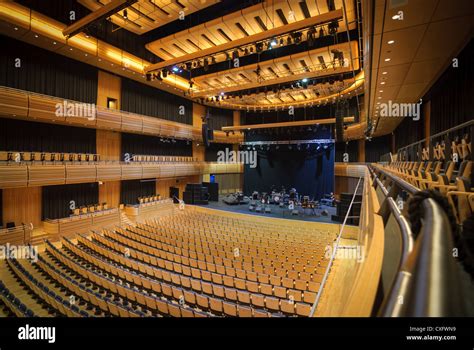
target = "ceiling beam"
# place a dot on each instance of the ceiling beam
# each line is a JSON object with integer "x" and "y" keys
{"x": 295, "y": 26}
{"x": 105, "y": 11}
{"x": 285, "y": 124}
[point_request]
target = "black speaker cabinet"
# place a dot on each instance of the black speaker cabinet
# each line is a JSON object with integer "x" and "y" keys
{"x": 213, "y": 189}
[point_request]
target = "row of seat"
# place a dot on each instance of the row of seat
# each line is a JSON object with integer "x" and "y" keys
{"x": 17, "y": 157}
{"x": 165, "y": 159}
{"x": 13, "y": 303}
{"x": 280, "y": 287}
{"x": 455, "y": 180}
{"x": 231, "y": 254}
{"x": 216, "y": 298}
{"x": 460, "y": 149}
{"x": 90, "y": 208}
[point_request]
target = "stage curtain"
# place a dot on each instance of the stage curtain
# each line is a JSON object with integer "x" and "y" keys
{"x": 56, "y": 200}
{"x": 45, "y": 72}
{"x": 130, "y": 190}
{"x": 219, "y": 117}
{"x": 211, "y": 152}
{"x": 19, "y": 135}
{"x": 151, "y": 145}
{"x": 350, "y": 148}
{"x": 377, "y": 147}
{"x": 143, "y": 99}
{"x": 451, "y": 97}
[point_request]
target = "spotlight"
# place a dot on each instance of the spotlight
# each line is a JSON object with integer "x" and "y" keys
{"x": 235, "y": 54}
{"x": 148, "y": 76}
{"x": 175, "y": 69}
{"x": 213, "y": 60}
{"x": 259, "y": 47}
{"x": 273, "y": 42}
{"x": 125, "y": 14}
{"x": 305, "y": 80}
{"x": 206, "y": 64}
{"x": 289, "y": 41}
{"x": 191, "y": 83}
{"x": 164, "y": 73}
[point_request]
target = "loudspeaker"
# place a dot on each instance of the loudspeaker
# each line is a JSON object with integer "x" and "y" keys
{"x": 205, "y": 135}
{"x": 174, "y": 193}
{"x": 213, "y": 189}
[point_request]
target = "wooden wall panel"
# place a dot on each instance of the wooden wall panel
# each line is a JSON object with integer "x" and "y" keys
{"x": 109, "y": 192}
{"x": 163, "y": 186}
{"x": 198, "y": 149}
{"x": 22, "y": 205}
{"x": 108, "y": 85}
{"x": 361, "y": 150}
{"x": 108, "y": 144}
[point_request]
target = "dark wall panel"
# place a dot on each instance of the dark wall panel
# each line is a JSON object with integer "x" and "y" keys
{"x": 143, "y": 144}
{"x": 350, "y": 148}
{"x": 211, "y": 151}
{"x": 130, "y": 190}
{"x": 20, "y": 135}
{"x": 377, "y": 147}
{"x": 45, "y": 72}
{"x": 56, "y": 200}
{"x": 143, "y": 99}
{"x": 451, "y": 97}
{"x": 219, "y": 117}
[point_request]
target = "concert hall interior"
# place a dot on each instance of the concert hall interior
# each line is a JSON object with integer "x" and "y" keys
{"x": 236, "y": 158}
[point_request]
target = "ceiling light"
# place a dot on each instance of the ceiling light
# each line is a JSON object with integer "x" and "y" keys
{"x": 384, "y": 73}
{"x": 305, "y": 80}
{"x": 175, "y": 69}
{"x": 382, "y": 83}
{"x": 390, "y": 42}
{"x": 54, "y": 42}
{"x": 380, "y": 90}
{"x": 273, "y": 43}
{"x": 387, "y": 60}
{"x": 396, "y": 17}
{"x": 36, "y": 35}
{"x": 16, "y": 28}
{"x": 125, "y": 14}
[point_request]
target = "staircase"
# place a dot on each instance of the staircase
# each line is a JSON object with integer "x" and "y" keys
{"x": 124, "y": 219}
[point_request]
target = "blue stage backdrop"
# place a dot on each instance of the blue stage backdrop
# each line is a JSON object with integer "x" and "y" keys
{"x": 310, "y": 171}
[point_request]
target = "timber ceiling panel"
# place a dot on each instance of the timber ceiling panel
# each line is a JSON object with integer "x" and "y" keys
{"x": 146, "y": 15}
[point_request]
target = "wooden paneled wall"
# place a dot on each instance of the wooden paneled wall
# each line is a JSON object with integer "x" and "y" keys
{"x": 198, "y": 149}
{"x": 108, "y": 144}
{"x": 361, "y": 150}
{"x": 22, "y": 205}
{"x": 163, "y": 186}
{"x": 108, "y": 86}
{"x": 109, "y": 192}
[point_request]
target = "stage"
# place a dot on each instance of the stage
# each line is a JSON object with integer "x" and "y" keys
{"x": 277, "y": 212}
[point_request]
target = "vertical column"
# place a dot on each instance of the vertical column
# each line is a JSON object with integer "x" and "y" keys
{"x": 361, "y": 150}
{"x": 108, "y": 142}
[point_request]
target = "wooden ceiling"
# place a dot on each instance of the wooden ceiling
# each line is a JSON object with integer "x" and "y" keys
{"x": 264, "y": 17}
{"x": 146, "y": 15}
{"x": 425, "y": 42}
{"x": 315, "y": 63}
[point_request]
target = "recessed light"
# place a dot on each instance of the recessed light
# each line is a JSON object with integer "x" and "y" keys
{"x": 387, "y": 59}
{"x": 54, "y": 42}
{"x": 70, "y": 49}
{"x": 382, "y": 83}
{"x": 384, "y": 73}
{"x": 390, "y": 42}
{"x": 380, "y": 90}
{"x": 85, "y": 55}
{"x": 379, "y": 98}
{"x": 16, "y": 28}
{"x": 36, "y": 35}
{"x": 99, "y": 60}
{"x": 396, "y": 17}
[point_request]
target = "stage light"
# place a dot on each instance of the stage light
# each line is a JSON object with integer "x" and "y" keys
{"x": 387, "y": 60}
{"x": 259, "y": 47}
{"x": 304, "y": 80}
{"x": 390, "y": 42}
{"x": 164, "y": 73}
{"x": 213, "y": 60}
{"x": 273, "y": 43}
{"x": 125, "y": 14}
{"x": 148, "y": 76}
{"x": 191, "y": 83}
{"x": 206, "y": 64}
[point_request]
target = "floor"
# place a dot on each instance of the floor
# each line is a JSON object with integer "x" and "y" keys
{"x": 277, "y": 212}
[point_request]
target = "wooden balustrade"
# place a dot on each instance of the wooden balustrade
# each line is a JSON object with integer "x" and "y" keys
{"x": 45, "y": 174}
{"x": 17, "y": 235}
{"x": 20, "y": 104}
{"x": 81, "y": 223}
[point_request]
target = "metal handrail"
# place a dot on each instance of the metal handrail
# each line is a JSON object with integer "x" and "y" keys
{"x": 435, "y": 286}
{"x": 333, "y": 255}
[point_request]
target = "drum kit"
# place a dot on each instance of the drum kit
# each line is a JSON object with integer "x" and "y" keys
{"x": 289, "y": 199}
